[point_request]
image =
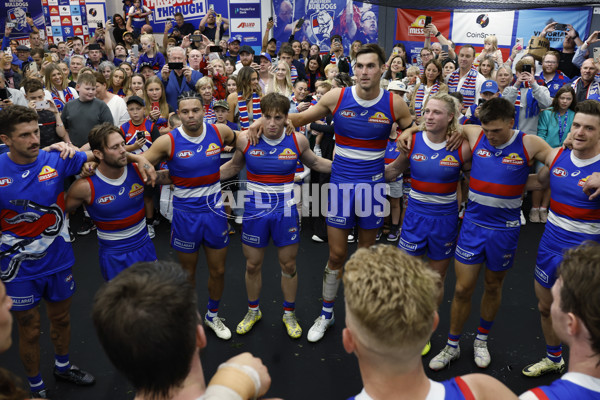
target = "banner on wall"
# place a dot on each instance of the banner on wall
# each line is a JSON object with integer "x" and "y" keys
{"x": 325, "y": 18}
{"x": 473, "y": 28}
{"x": 409, "y": 29}
{"x": 532, "y": 22}
{"x": 65, "y": 18}
{"x": 15, "y": 12}
{"x": 96, "y": 13}
{"x": 245, "y": 22}
{"x": 193, "y": 11}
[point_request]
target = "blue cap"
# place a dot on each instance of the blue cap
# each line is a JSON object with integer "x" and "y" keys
{"x": 489, "y": 86}
{"x": 234, "y": 38}
{"x": 266, "y": 55}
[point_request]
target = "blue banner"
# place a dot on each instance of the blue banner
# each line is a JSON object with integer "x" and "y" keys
{"x": 245, "y": 22}
{"x": 15, "y": 11}
{"x": 531, "y": 22}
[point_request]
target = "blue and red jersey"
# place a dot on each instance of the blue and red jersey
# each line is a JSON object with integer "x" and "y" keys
{"x": 571, "y": 386}
{"x": 130, "y": 132}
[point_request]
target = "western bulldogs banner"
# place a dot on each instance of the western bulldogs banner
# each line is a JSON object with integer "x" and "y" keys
{"x": 64, "y": 19}
{"x": 321, "y": 19}
{"x": 15, "y": 12}
{"x": 193, "y": 11}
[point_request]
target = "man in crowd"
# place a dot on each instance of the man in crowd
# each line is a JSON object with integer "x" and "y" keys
{"x": 178, "y": 80}
{"x": 164, "y": 362}
{"x": 233, "y": 47}
{"x": 286, "y": 53}
{"x": 185, "y": 28}
{"x": 570, "y": 41}
{"x": 466, "y": 79}
{"x": 94, "y": 56}
{"x": 269, "y": 46}
{"x": 390, "y": 313}
{"x": 586, "y": 87}
{"x": 208, "y": 25}
{"x": 575, "y": 316}
{"x": 336, "y": 56}
{"x": 551, "y": 77}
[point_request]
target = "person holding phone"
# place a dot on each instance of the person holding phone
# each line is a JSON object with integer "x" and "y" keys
{"x": 336, "y": 56}
{"x": 52, "y": 129}
{"x": 157, "y": 108}
{"x": 567, "y": 55}
{"x": 9, "y": 96}
{"x": 397, "y": 69}
{"x": 209, "y": 24}
{"x": 528, "y": 96}
{"x": 281, "y": 80}
{"x": 177, "y": 77}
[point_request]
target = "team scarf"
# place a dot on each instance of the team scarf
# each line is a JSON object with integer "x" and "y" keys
{"x": 311, "y": 79}
{"x": 60, "y": 104}
{"x": 420, "y": 95}
{"x": 293, "y": 73}
{"x": 209, "y": 113}
{"x": 256, "y": 113}
{"x": 120, "y": 93}
{"x": 467, "y": 89}
{"x": 532, "y": 109}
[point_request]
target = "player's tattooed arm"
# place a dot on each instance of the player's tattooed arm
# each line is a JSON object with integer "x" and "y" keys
{"x": 163, "y": 177}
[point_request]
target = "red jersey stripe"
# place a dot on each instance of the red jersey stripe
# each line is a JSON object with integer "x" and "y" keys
{"x": 196, "y": 181}
{"x": 122, "y": 223}
{"x": 496, "y": 189}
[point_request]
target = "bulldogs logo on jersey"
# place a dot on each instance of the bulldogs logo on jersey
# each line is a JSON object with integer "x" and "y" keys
{"x": 47, "y": 173}
{"x": 449, "y": 161}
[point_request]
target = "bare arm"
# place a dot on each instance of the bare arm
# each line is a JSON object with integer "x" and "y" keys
{"x": 233, "y": 166}
{"x": 485, "y": 387}
{"x": 265, "y": 40}
{"x": 163, "y": 177}
{"x": 310, "y": 159}
{"x": 79, "y": 193}
{"x": 538, "y": 149}
{"x": 592, "y": 186}
{"x": 396, "y": 167}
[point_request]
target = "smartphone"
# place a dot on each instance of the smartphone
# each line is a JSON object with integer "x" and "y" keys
{"x": 211, "y": 7}
{"x": 70, "y": 39}
{"x": 215, "y": 49}
{"x": 527, "y": 68}
{"x": 28, "y": 14}
{"x": 41, "y": 105}
{"x": 135, "y": 50}
{"x": 300, "y": 22}
{"x": 270, "y": 19}
{"x": 519, "y": 42}
{"x": 100, "y": 25}
{"x": 140, "y": 134}
{"x": 445, "y": 48}
{"x": 175, "y": 65}
{"x": 3, "y": 94}
{"x": 427, "y": 20}
{"x": 109, "y": 20}
{"x": 560, "y": 27}
{"x": 8, "y": 51}
{"x": 155, "y": 106}
{"x": 480, "y": 102}
{"x": 48, "y": 57}
{"x": 10, "y": 24}
{"x": 336, "y": 40}
{"x": 257, "y": 60}
{"x": 399, "y": 75}
{"x": 596, "y": 53}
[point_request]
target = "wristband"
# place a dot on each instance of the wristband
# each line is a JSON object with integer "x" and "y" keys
{"x": 438, "y": 34}
{"x": 251, "y": 372}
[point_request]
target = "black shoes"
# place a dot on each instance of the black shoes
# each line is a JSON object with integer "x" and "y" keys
{"x": 86, "y": 227}
{"x": 76, "y": 376}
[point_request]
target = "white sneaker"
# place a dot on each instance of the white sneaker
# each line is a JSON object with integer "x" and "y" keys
{"x": 151, "y": 232}
{"x": 534, "y": 215}
{"x": 482, "y": 355}
{"x": 543, "y": 367}
{"x": 350, "y": 238}
{"x": 443, "y": 359}
{"x": 238, "y": 220}
{"x": 318, "y": 329}
{"x": 317, "y": 238}
{"x": 218, "y": 327}
{"x": 523, "y": 220}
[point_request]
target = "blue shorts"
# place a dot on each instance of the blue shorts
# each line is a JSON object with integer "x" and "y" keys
{"x": 434, "y": 234}
{"x": 546, "y": 264}
{"x": 279, "y": 225}
{"x": 496, "y": 247}
{"x": 113, "y": 262}
{"x": 53, "y": 288}
{"x": 190, "y": 230}
{"x": 352, "y": 203}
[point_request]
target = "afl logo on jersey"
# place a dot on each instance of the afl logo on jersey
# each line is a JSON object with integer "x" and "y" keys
{"x": 347, "y": 113}
{"x": 559, "y": 172}
{"x": 419, "y": 157}
{"x": 136, "y": 189}
{"x": 185, "y": 154}
{"x": 287, "y": 154}
{"x": 484, "y": 153}
{"x": 449, "y": 161}
{"x": 47, "y": 173}
{"x": 256, "y": 152}
{"x": 106, "y": 199}
{"x": 379, "y": 118}
{"x": 513, "y": 159}
{"x": 5, "y": 182}
{"x": 582, "y": 181}
{"x": 213, "y": 149}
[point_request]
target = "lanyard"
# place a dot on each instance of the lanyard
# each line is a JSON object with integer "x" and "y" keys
{"x": 562, "y": 126}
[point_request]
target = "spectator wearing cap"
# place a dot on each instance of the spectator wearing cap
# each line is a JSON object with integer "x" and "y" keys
{"x": 233, "y": 47}
{"x": 146, "y": 69}
{"x": 264, "y": 75}
{"x": 128, "y": 40}
{"x": 489, "y": 90}
{"x": 269, "y": 45}
{"x": 246, "y": 59}
{"x": 397, "y": 87}
{"x": 138, "y": 123}
{"x": 94, "y": 56}
{"x": 24, "y": 55}
{"x": 528, "y": 96}
{"x": 221, "y": 109}
{"x": 209, "y": 24}
{"x": 179, "y": 80}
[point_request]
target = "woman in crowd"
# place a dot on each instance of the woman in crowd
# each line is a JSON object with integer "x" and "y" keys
{"x": 297, "y": 47}
{"x": 117, "y": 105}
{"x": 314, "y": 72}
{"x": 432, "y": 82}
{"x": 487, "y": 68}
{"x": 119, "y": 83}
{"x": 157, "y": 108}
{"x": 281, "y": 82}
{"x": 398, "y": 50}
{"x": 12, "y": 78}
{"x": 137, "y": 85}
{"x": 57, "y": 87}
{"x": 449, "y": 66}
{"x": 206, "y": 87}
{"x": 315, "y": 50}
{"x": 504, "y": 77}
{"x": 106, "y": 68}
{"x": 553, "y": 126}
{"x": 354, "y": 48}
{"x": 305, "y": 49}
{"x": 397, "y": 70}
{"x": 229, "y": 66}
{"x": 120, "y": 27}
{"x": 64, "y": 67}
{"x": 231, "y": 85}
{"x": 246, "y": 101}
{"x": 126, "y": 66}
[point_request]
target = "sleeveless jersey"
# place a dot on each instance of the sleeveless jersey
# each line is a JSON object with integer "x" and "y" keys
{"x": 572, "y": 216}
{"x": 391, "y": 153}
{"x": 497, "y": 181}
{"x": 362, "y": 129}
{"x": 571, "y": 385}
{"x": 271, "y": 170}
{"x": 130, "y": 131}
{"x": 117, "y": 208}
{"x": 434, "y": 177}
{"x": 452, "y": 389}
{"x": 194, "y": 168}
{"x": 32, "y": 221}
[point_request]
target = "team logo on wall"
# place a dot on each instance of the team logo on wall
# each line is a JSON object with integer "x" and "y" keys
{"x": 17, "y": 16}
{"x": 321, "y": 24}
{"x": 483, "y": 20}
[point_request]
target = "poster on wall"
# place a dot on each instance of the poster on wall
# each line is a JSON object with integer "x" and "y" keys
{"x": 532, "y": 22}
{"x": 245, "y": 22}
{"x": 64, "y": 19}
{"x": 15, "y": 12}
{"x": 96, "y": 13}
{"x": 409, "y": 29}
{"x": 321, "y": 19}
{"x": 193, "y": 11}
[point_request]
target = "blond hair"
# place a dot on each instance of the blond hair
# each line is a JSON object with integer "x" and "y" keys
{"x": 452, "y": 107}
{"x": 390, "y": 300}
{"x": 493, "y": 40}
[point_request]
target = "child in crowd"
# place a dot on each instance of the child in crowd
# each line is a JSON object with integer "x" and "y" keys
{"x": 149, "y": 54}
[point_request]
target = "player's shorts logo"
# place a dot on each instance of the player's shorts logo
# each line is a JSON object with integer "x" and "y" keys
{"x": 250, "y": 238}
{"x": 136, "y": 189}
{"x": 47, "y": 173}
{"x": 213, "y": 149}
{"x": 541, "y": 275}
{"x": 483, "y": 153}
{"x": 256, "y": 153}
{"x": 348, "y": 114}
{"x": 449, "y": 161}
{"x": 293, "y": 229}
{"x": 287, "y": 154}
{"x": 419, "y": 157}
{"x": 467, "y": 255}
{"x": 337, "y": 220}
{"x": 407, "y": 245}
{"x": 106, "y": 199}
{"x": 5, "y": 182}
{"x": 183, "y": 245}
{"x": 185, "y": 154}
{"x": 379, "y": 118}
{"x": 513, "y": 159}
{"x": 560, "y": 172}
